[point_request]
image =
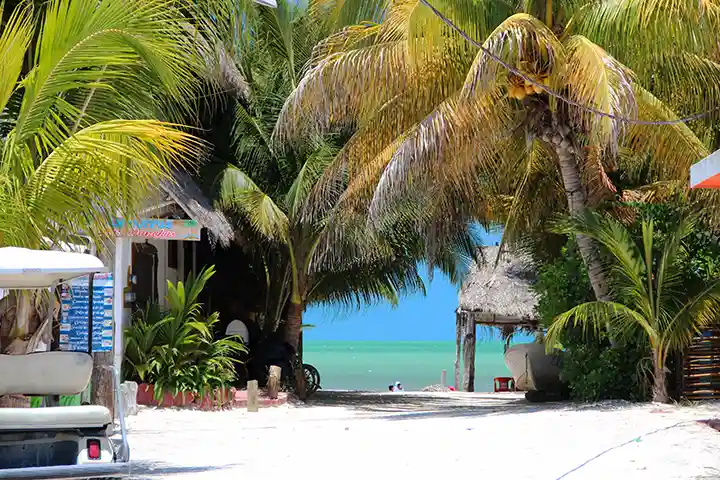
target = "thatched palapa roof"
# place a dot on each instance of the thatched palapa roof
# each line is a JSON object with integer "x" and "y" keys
{"x": 186, "y": 194}
{"x": 499, "y": 295}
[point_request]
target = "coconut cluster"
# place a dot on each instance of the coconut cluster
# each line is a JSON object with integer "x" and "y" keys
{"x": 519, "y": 88}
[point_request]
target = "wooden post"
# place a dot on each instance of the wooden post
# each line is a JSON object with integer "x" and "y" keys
{"x": 273, "y": 384}
{"x": 469, "y": 356}
{"x": 443, "y": 378}
{"x": 458, "y": 340}
{"x": 253, "y": 404}
{"x": 101, "y": 390}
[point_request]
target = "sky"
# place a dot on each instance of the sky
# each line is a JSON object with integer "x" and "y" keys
{"x": 416, "y": 318}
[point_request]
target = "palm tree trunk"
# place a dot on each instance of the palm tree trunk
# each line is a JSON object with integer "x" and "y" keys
{"x": 560, "y": 139}
{"x": 660, "y": 394}
{"x": 294, "y": 324}
{"x": 293, "y": 329}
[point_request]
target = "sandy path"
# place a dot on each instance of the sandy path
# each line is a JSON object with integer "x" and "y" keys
{"x": 485, "y": 435}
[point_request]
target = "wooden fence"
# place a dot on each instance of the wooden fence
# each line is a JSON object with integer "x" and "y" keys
{"x": 701, "y": 367}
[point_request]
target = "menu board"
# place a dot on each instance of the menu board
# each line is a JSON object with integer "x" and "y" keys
{"x": 75, "y": 300}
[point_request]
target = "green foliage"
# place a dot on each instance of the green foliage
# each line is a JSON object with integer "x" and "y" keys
{"x": 561, "y": 284}
{"x": 593, "y": 371}
{"x": 700, "y": 259}
{"x": 175, "y": 350}
{"x": 652, "y": 298}
{"x": 290, "y": 202}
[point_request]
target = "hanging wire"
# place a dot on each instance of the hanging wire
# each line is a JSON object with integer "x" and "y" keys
{"x": 448, "y": 22}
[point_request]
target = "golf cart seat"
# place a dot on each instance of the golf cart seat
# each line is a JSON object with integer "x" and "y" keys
{"x": 55, "y": 418}
{"x": 49, "y": 373}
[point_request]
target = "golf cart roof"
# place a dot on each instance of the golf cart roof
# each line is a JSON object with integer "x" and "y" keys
{"x": 24, "y": 268}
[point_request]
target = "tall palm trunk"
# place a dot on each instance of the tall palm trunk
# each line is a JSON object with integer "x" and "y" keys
{"x": 293, "y": 324}
{"x": 659, "y": 385}
{"x": 293, "y": 329}
{"x": 560, "y": 137}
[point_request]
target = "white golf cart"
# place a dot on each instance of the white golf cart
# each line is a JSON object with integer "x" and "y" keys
{"x": 53, "y": 442}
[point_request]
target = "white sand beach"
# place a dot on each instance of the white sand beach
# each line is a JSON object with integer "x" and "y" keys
{"x": 426, "y": 435}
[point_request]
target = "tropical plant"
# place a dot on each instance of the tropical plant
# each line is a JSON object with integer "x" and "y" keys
{"x": 81, "y": 86}
{"x": 176, "y": 351}
{"x": 534, "y": 123}
{"x": 653, "y": 299}
{"x": 310, "y": 255}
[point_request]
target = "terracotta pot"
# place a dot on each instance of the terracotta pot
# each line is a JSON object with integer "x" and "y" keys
{"x": 145, "y": 394}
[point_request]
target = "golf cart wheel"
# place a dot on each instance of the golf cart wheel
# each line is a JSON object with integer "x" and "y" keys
{"x": 312, "y": 378}
{"x": 535, "y": 397}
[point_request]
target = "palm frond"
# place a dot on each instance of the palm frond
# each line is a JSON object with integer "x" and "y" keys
{"x": 15, "y": 39}
{"x": 593, "y": 317}
{"x": 672, "y": 149}
{"x": 240, "y": 193}
{"x": 470, "y": 130}
{"x": 102, "y": 169}
{"x": 316, "y": 163}
{"x": 522, "y": 41}
{"x": 630, "y": 269}
{"x": 595, "y": 79}
{"x": 86, "y": 43}
{"x": 637, "y": 31}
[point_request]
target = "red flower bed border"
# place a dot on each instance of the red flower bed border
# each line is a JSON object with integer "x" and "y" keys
{"x": 219, "y": 399}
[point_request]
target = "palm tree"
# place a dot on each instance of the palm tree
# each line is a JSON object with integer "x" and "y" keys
{"x": 429, "y": 109}
{"x": 653, "y": 298}
{"x": 312, "y": 256}
{"x": 81, "y": 84}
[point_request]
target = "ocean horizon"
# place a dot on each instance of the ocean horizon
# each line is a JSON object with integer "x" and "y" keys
{"x": 373, "y": 365}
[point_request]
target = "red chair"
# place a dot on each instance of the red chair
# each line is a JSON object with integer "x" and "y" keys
{"x": 504, "y": 384}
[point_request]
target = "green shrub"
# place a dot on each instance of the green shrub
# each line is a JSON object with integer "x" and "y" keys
{"x": 561, "y": 284}
{"x": 175, "y": 350}
{"x": 593, "y": 371}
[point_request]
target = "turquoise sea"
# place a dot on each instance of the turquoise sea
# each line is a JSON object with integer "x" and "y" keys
{"x": 375, "y": 365}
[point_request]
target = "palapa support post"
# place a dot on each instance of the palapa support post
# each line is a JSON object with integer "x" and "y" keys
{"x": 458, "y": 340}
{"x": 469, "y": 354}
{"x": 253, "y": 400}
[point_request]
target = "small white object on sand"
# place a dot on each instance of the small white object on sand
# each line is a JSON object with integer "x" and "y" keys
{"x": 421, "y": 435}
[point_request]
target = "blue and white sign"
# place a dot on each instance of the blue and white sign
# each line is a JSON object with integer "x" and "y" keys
{"x": 74, "y": 317}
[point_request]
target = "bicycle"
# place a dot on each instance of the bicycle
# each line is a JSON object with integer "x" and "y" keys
{"x": 312, "y": 378}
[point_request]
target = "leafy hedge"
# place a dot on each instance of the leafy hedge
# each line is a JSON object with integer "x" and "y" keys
{"x": 593, "y": 371}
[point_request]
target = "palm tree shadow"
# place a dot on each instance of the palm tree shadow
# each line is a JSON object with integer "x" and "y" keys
{"x": 408, "y": 406}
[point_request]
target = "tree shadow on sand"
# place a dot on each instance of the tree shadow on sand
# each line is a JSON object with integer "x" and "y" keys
{"x": 415, "y": 405}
